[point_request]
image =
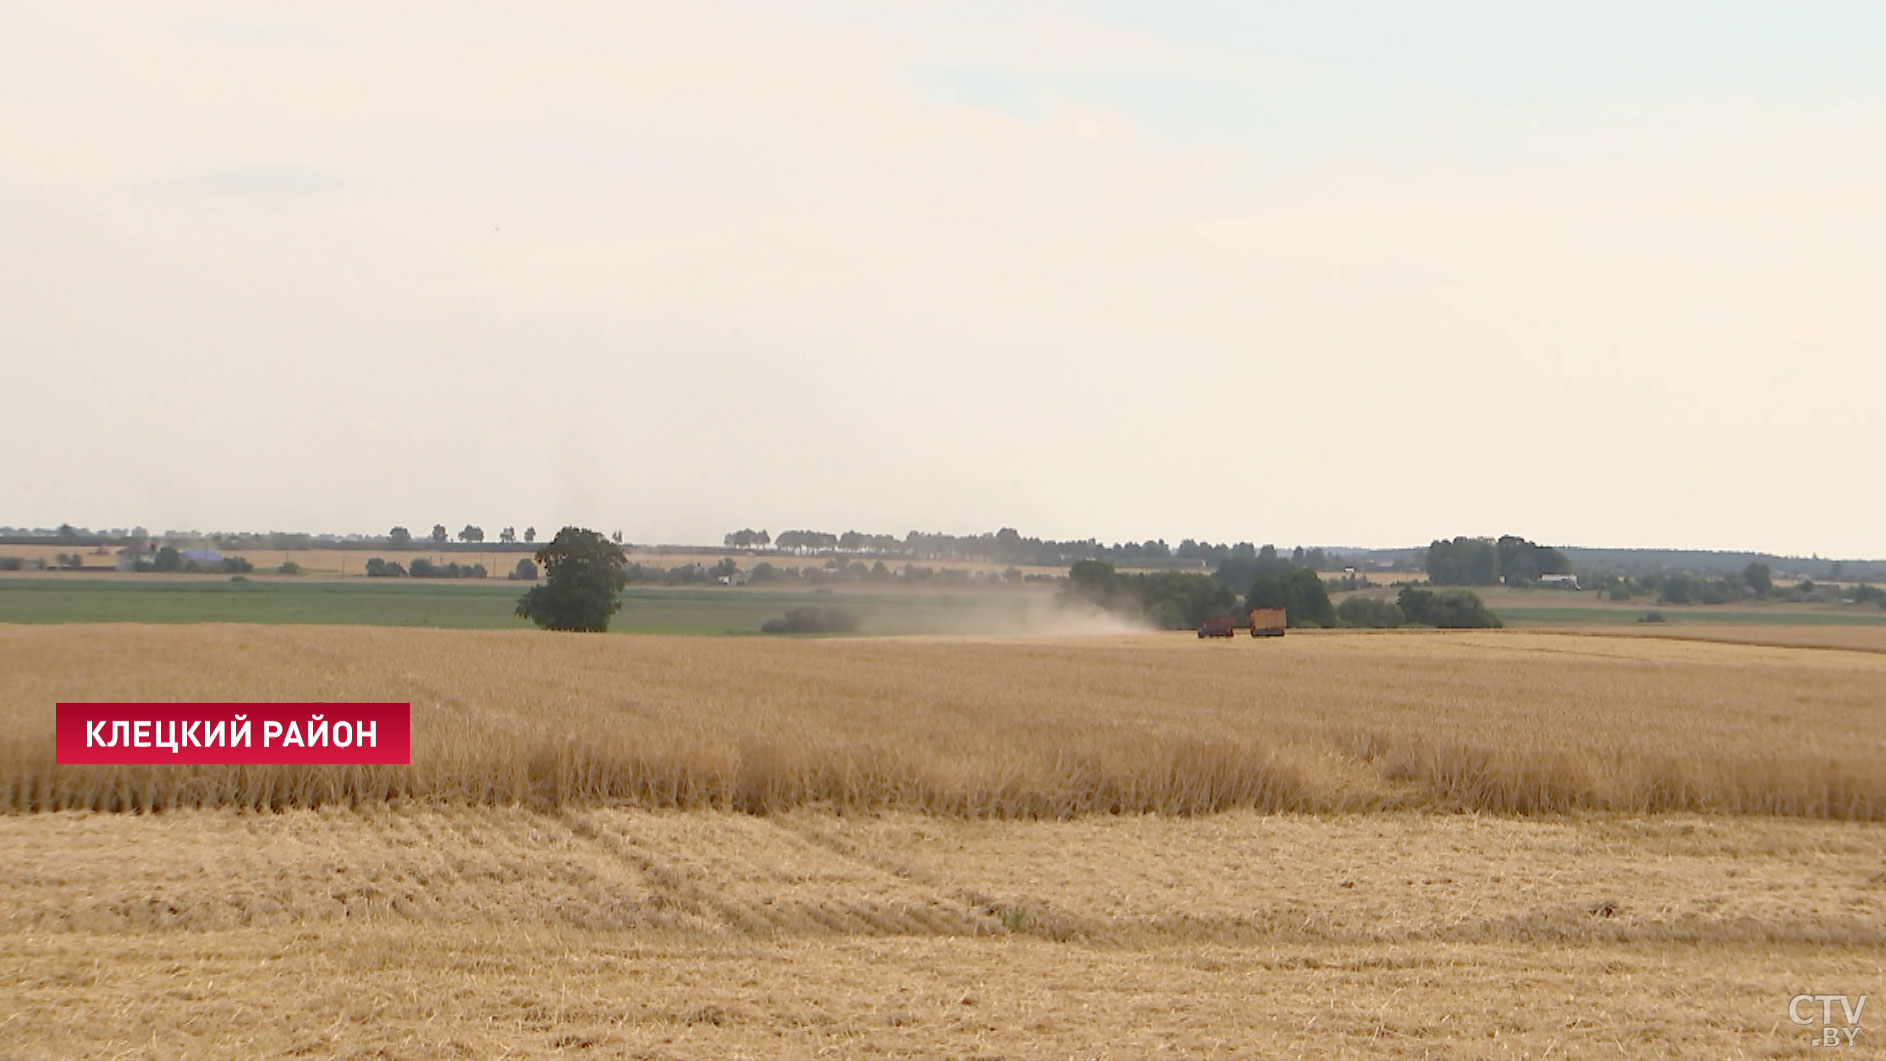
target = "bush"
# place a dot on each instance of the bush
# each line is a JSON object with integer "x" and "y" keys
{"x": 423, "y": 568}
{"x": 525, "y": 571}
{"x": 1688, "y": 589}
{"x": 1652, "y": 617}
{"x": 1370, "y": 613}
{"x": 378, "y": 568}
{"x": 1454, "y": 609}
{"x": 812, "y": 620}
{"x": 11, "y": 563}
{"x": 289, "y": 567}
{"x": 236, "y": 565}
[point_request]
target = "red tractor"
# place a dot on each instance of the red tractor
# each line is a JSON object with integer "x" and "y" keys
{"x": 1218, "y": 626}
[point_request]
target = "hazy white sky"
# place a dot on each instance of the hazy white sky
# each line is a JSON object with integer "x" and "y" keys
{"x": 1334, "y": 273}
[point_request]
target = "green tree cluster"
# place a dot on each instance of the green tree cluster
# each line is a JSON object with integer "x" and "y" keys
{"x": 1480, "y": 562}
{"x": 170, "y": 560}
{"x": 1238, "y": 571}
{"x": 424, "y": 568}
{"x": 1299, "y": 592}
{"x": 378, "y": 567}
{"x": 1759, "y": 578}
{"x": 1447, "y": 608}
{"x": 1369, "y": 613}
{"x": 1168, "y": 600}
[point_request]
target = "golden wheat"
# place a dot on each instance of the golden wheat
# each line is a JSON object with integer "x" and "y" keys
{"x": 1036, "y": 728}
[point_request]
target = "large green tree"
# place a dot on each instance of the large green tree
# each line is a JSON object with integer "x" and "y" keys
{"x": 584, "y": 574}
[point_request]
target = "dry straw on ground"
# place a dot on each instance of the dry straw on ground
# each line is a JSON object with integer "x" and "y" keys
{"x": 1505, "y": 722}
{"x": 457, "y": 931}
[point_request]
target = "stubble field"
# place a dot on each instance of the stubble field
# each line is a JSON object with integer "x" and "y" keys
{"x": 1489, "y": 844}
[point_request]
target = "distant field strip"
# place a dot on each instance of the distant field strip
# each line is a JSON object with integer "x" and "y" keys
{"x": 1503, "y": 722}
{"x": 1782, "y": 615}
{"x": 1849, "y": 638}
{"x": 490, "y": 604}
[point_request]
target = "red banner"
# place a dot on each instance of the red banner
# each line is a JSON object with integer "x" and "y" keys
{"x": 189, "y": 734}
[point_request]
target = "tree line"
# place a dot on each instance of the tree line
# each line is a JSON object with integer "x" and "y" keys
{"x": 1482, "y": 562}
{"x": 470, "y": 534}
{"x": 1755, "y": 582}
{"x": 423, "y": 568}
{"x": 1010, "y": 546}
{"x": 1172, "y": 600}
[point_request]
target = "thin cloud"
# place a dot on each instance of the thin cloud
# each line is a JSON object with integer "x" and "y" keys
{"x": 247, "y": 182}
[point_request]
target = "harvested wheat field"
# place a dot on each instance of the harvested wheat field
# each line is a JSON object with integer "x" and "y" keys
{"x": 1346, "y": 845}
{"x": 502, "y": 931}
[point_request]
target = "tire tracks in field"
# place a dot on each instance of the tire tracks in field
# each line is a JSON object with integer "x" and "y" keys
{"x": 989, "y": 914}
{"x": 937, "y": 912}
{"x": 672, "y": 885}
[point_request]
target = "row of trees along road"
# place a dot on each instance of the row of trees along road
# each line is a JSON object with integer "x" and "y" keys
{"x": 400, "y": 536}
{"x": 1010, "y": 546}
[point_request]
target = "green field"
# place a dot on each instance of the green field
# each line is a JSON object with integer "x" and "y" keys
{"x": 474, "y": 605}
{"x": 716, "y": 610}
{"x": 1766, "y": 617}
{"x": 1551, "y": 607}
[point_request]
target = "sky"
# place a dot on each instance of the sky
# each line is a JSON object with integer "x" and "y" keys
{"x": 1336, "y": 273}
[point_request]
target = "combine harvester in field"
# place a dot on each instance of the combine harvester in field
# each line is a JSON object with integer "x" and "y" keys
{"x": 1262, "y": 622}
